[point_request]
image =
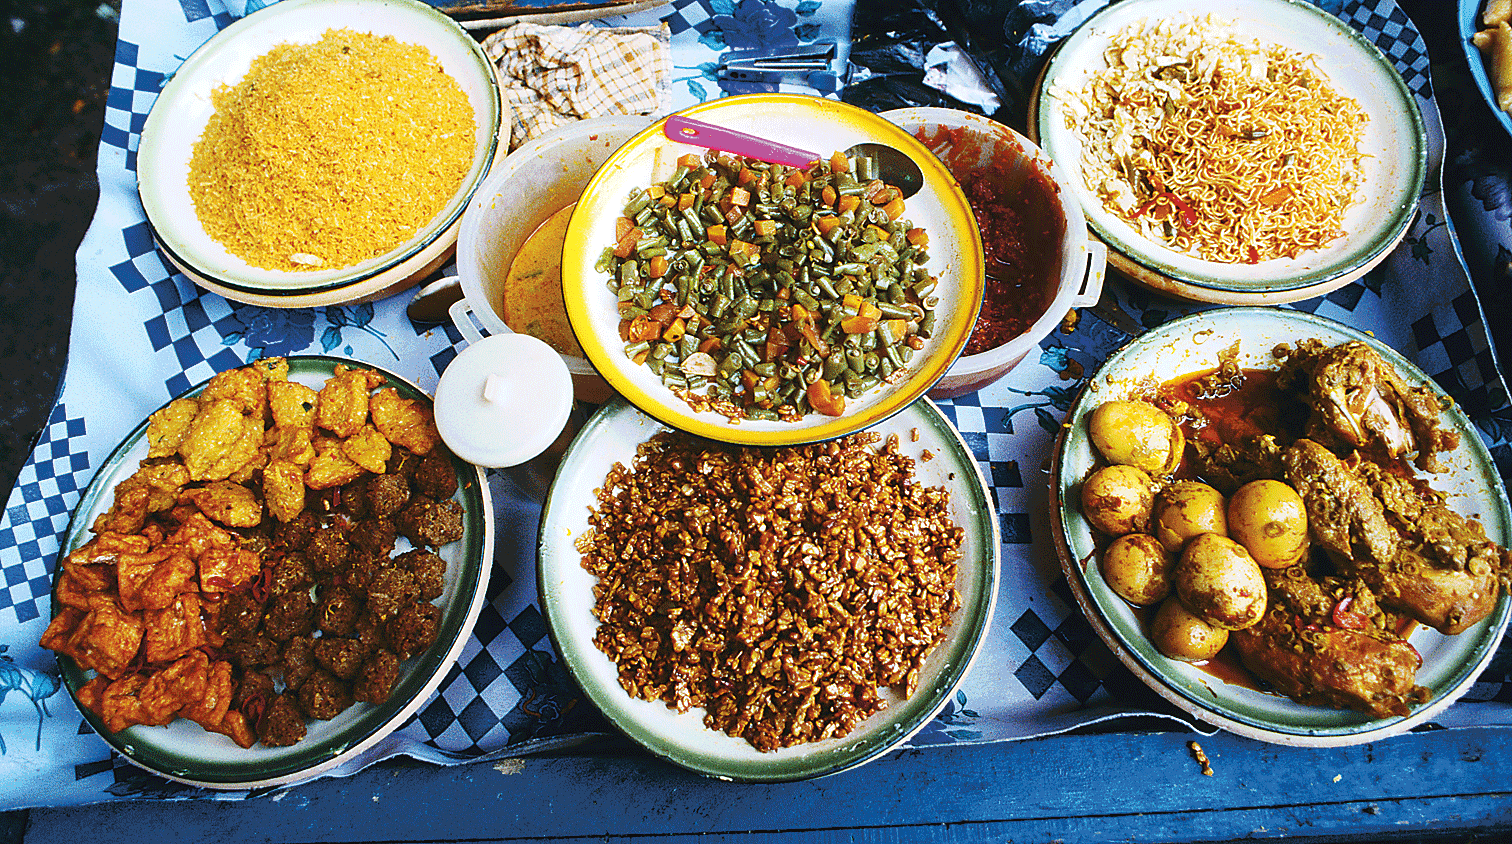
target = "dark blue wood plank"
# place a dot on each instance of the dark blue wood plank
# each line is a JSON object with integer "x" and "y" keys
{"x": 1120, "y": 786}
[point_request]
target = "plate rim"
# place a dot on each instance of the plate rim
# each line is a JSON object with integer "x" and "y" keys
{"x": 836, "y": 759}
{"x": 1188, "y": 700}
{"x": 609, "y": 361}
{"x": 1468, "y": 13}
{"x": 1124, "y": 249}
{"x": 331, "y": 752}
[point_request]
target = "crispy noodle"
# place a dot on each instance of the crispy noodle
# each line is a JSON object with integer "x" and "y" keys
{"x": 1221, "y": 148}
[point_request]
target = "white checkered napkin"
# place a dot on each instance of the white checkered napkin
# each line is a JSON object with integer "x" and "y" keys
{"x": 552, "y": 75}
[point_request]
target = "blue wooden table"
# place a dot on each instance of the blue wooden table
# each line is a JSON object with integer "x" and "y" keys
{"x": 1124, "y": 786}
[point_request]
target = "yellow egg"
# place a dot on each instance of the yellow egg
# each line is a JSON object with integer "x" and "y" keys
{"x": 1269, "y": 519}
{"x": 1178, "y": 634}
{"x": 1138, "y": 568}
{"x": 1137, "y": 433}
{"x": 1220, "y": 583}
{"x": 1185, "y": 509}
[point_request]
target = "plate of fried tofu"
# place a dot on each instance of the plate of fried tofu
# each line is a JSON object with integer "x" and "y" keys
{"x": 271, "y": 573}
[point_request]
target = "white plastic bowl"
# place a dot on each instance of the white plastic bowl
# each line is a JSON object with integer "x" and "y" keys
{"x": 1083, "y": 261}
{"x": 529, "y": 185}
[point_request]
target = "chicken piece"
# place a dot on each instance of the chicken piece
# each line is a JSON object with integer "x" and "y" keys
{"x": 1337, "y": 667}
{"x": 368, "y": 449}
{"x": 404, "y": 422}
{"x": 233, "y": 505}
{"x": 221, "y": 440}
{"x": 1343, "y": 515}
{"x": 168, "y": 426}
{"x": 1329, "y": 643}
{"x": 1418, "y": 556}
{"x": 341, "y": 407}
{"x": 1360, "y": 401}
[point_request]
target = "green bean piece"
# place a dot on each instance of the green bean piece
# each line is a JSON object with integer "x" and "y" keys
{"x": 762, "y": 414}
{"x": 927, "y": 325}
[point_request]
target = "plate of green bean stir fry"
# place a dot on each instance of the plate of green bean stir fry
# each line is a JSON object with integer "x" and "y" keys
{"x": 765, "y": 304}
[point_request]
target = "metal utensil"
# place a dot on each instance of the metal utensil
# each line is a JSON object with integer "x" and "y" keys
{"x": 894, "y": 165}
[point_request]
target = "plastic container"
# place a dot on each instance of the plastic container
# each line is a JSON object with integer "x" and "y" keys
{"x": 529, "y": 185}
{"x": 1083, "y": 260}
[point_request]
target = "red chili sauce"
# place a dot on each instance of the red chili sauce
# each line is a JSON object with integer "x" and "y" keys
{"x": 1021, "y": 228}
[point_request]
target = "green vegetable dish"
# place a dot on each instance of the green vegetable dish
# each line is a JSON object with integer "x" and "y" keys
{"x": 767, "y": 292}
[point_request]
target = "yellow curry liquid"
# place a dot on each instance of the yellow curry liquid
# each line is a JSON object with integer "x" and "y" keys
{"x": 533, "y": 302}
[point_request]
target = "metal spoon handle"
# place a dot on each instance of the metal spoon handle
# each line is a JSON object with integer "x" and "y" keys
{"x": 689, "y": 131}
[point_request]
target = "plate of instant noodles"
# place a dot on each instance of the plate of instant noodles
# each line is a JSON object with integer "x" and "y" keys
{"x": 1260, "y": 154}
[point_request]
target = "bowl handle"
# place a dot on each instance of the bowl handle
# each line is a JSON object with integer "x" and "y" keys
{"x": 1092, "y": 279}
{"x": 462, "y": 317}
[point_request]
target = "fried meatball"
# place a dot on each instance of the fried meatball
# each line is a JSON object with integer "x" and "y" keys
{"x": 387, "y": 493}
{"x": 436, "y": 476}
{"x": 291, "y": 574}
{"x": 428, "y": 570}
{"x": 374, "y": 537}
{"x": 295, "y": 534}
{"x": 377, "y": 677}
{"x": 413, "y": 629}
{"x": 251, "y": 652}
{"x": 360, "y": 569}
{"x": 403, "y": 462}
{"x": 328, "y": 550}
{"x": 252, "y": 693}
{"x": 338, "y": 611}
{"x": 298, "y": 661}
{"x": 291, "y": 614}
{"x": 351, "y": 498}
{"x": 390, "y": 590}
{"x": 342, "y": 657}
{"x": 240, "y": 614}
{"x": 282, "y": 723}
{"x": 431, "y": 523}
{"x": 324, "y": 696}
{"x": 370, "y": 632}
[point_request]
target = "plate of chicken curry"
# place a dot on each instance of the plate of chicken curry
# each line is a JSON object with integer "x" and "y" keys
{"x": 271, "y": 573}
{"x": 1283, "y": 527}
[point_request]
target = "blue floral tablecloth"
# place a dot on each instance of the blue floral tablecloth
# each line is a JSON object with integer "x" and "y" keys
{"x": 142, "y": 334}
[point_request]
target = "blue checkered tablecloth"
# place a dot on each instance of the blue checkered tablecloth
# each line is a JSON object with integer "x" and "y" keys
{"x": 143, "y": 333}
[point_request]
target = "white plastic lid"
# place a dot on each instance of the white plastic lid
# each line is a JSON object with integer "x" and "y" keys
{"x": 503, "y": 400}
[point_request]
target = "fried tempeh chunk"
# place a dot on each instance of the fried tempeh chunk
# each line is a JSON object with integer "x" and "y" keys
{"x": 222, "y": 439}
{"x": 342, "y": 404}
{"x": 230, "y": 504}
{"x": 404, "y": 422}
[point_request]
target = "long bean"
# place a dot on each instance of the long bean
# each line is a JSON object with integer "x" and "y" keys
{"x": 784, "y": 276}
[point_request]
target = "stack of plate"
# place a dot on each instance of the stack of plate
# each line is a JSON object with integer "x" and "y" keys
{"x": 179, "y": 116}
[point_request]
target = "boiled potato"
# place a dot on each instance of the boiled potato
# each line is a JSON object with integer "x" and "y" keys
{"x": 1117, "y": 499}
{"x": 1220, "y": 582}
{"x": 1137, "y": 433}
{"x": 1178, "y": 634}
{"x": 1185, "y": 509}
{"x": 1138, "y": 568}
{"x": 1269, "y": 519}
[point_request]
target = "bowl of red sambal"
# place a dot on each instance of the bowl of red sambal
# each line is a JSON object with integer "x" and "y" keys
{"x": 1040, "y": 263}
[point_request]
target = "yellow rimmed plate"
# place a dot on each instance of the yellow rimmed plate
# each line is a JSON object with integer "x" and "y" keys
{"x": 820, "y": 126}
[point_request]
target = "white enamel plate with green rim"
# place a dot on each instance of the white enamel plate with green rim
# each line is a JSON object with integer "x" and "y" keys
{"x": 180, "y": 113}
{"x": 1191, "y": 344}
{"x": 817, "y": 125}
{"x": 612, "y": 436}
{"x": 185, "y": 752}
{"x": 1394, "y": 150}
